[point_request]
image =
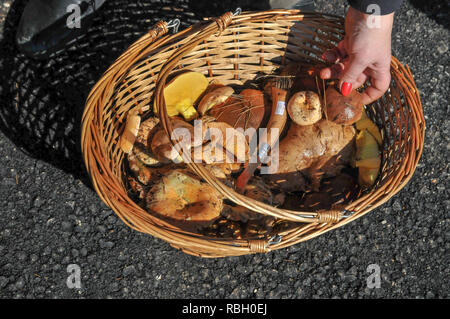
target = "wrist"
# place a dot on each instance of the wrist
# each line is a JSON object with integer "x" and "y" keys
{"x": 376, "y": 7}
{"x": 371, "y": 20}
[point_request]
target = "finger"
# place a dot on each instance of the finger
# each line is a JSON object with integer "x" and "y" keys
{"x": 361, "y": 80}
{"x": 379, "y": 85}
{"x": 325, "y": 73}
{"x": 342, "y": 51}
{"x": 353, "y": 68}
{"x": 335, "y": 54}
{"x": 336, "y": 72}
{"x": 331, "y": 56}
{"x": 332, "y": 72}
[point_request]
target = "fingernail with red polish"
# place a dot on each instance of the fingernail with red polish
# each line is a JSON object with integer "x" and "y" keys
{"x": 346, "y": 88}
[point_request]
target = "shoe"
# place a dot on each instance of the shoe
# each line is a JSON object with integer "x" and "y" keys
{"x": 47, "y": 26}
{"x": 303, "y": 5}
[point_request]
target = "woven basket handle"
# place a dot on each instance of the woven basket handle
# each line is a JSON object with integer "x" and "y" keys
{"x": 120, "y": 67}
{"x": 162, "y": 28}
{"x": 216, "y": 27}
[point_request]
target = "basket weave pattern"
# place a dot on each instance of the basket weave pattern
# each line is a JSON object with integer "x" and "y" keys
{"x": 234, "y": 50}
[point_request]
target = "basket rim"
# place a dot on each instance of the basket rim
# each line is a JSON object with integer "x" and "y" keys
{"x": 98, "y": 171}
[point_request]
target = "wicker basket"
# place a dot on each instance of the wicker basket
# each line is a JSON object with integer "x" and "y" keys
{"x": 234, "y": 49}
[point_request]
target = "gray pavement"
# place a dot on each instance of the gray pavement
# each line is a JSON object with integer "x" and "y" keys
{"x": 50, "y": 217}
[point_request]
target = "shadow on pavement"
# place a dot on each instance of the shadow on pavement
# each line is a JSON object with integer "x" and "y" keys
{"x": 43, "y": 101}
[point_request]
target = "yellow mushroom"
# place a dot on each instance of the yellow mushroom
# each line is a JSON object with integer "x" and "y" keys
{"x": 368, "y": 158}
{"x": 366, "y": 123}
{"x": 182, "y": 92}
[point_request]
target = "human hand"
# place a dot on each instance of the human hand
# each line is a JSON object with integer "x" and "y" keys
{"x": 364, "y": 53}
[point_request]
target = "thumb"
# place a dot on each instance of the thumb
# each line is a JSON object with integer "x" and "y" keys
{"x": 351, "y": 73}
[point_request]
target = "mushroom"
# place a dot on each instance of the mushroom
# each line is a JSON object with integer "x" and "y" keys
{"x": 305, "y": 108}
{"x": 244, "y": 111}
{"x": 146, "y": 129}
{"x": 344, "y": 110}
{"x": 164, "y": 150}
{"x": 213, "y": 98}
{"x": 130, "y": 132}
{"x": 182, "y": 92}
{"x": 180, "y": 196}
{"x": 231, "y": 140}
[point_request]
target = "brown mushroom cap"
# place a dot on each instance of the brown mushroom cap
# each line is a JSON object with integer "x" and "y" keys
{"x": 344, "y": 110}
{"x": 232, "y": 141}
{"x": 213, "y": 98}
{"x": 244, "y": 111}
{"x": 162, "y": 147}
{"x": 147, "y": 128}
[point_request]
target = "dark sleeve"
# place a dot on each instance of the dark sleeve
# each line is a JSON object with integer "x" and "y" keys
{"x": 386, "y": 6}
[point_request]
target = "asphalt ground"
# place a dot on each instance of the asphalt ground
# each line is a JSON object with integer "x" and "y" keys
{"x": 50, "y": 217}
